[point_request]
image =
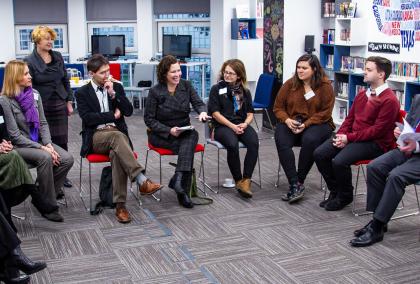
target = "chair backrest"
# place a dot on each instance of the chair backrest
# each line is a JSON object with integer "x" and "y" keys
{"x": 264, "y": 89}
{"x": 115, "y": 70}
{"x": 402, "y": 115}
{"x": 144, "y": 72}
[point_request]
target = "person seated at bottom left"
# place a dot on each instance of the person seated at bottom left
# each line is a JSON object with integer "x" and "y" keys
{"x": 102, "y": 105}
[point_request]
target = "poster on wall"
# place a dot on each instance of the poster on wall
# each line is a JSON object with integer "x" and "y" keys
{"x": 273, "y": 37}
{"x": 384, "y": 47}
{"x": 399, "y": 18}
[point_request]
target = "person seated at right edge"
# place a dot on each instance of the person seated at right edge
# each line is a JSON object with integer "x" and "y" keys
{"x": 168, "y": 109}
{"x": 230, "y": 104}
{"x": 102, "y": 105}
{"x": 387, "y": 177}
{"x": 366, "y": 133}
{"x": 303, "y": 106}
{"x": 12, "y": 258}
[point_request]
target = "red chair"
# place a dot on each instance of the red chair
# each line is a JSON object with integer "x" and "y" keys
{"x": 115, "y": 70}
{"x": 95, "y": 159}
{"x": 199, "y": 148}
{"x": 362, "y": 163}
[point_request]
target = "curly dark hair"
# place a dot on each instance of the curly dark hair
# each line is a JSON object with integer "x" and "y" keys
{"x": 164, "y": 66}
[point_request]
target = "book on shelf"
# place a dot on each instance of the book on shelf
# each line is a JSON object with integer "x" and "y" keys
{"x": 243, "y": 31}
{"x": 342, "y": 113}
{"x": 330, "y": 61}
{"x": 329, "y": 10}
{"x": 346, "y": 63}
{"x": 345, "y": 34}
{"x": 405, "y": 69}
{"x": 400, "y": 96}
{"x": 328, "y": 36}
{"x": 358, "y": 64}
{"x": 342, "y": 90}
{"x": 347, "y": 10}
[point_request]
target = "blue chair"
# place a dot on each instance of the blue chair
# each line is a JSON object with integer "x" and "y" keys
{"x": 262, "y": 99}
{"x": 1, "y": 77}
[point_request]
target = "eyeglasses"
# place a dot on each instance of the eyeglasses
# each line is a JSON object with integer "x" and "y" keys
{"x": 229, "y": 73}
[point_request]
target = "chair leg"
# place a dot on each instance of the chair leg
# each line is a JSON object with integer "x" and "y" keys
{"x": 412, "y": 213}
{"x": 259, "y": 173}
{"x": 256, "y": 123}
{"x": 218, "y": 170}
{"x": 80, "y": 184}
{"x": 202, "y": 179}
{"x": 269, "y": 120}
{"x": 90, "y": 189}
{"x": 355, "y": 213}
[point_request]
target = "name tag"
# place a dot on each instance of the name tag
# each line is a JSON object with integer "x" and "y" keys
{"x": 1, "y": 119}
{"x": 35, "y": 96}
{"x": 309, "y": 95}
{"x": 222, "y": 91}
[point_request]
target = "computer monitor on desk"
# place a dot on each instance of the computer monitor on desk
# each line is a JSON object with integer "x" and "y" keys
{"x": 177, "y": 45}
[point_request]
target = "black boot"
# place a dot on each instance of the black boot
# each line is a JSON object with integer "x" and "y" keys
{"x": 184, "y": 197}
{"x": 10, "y": 272}
{"x": 176, "y": 182}
{"x": 24, "y": 263}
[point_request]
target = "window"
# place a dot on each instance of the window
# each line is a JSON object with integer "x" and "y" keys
{"x": 127, "y": 29}
{"x": 24, "y": 43}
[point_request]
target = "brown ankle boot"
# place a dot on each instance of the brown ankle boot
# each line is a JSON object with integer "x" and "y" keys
{"x": 244, "y": 187}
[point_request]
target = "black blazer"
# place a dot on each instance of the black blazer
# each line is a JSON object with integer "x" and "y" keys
{"x": 91, "y": 115}
{"x": 3, "y": 129}
{"x": 164, "y": 111}
{"x": 49, "y": 79}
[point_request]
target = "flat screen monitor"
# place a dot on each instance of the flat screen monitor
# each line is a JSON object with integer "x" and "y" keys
{"x": 108, "y": 45}
{"x": 177, "y": 45}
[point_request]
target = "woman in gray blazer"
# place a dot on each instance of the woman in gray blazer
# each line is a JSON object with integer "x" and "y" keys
{"x": 167, "y": 115}
{"x": 29, "y": 133}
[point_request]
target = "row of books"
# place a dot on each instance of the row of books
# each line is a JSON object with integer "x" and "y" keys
{"x": 347, "y": 10}
{"x": 342, "y": 90}
{"x": 329, "y": 10}
{"x": 404, "y": 69}
{"x": 352, "y": 63}
{"x": 330, "y": 61}
{"x": 328, "y": 36}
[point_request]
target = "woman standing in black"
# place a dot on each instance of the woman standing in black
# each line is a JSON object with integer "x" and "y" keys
{"x": 49, "y": 78}
{"x": 230, "y": 104}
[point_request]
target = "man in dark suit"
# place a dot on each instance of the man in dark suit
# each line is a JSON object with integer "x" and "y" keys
{"x": 387, "y": 177}
{"x": 102, "y": 106}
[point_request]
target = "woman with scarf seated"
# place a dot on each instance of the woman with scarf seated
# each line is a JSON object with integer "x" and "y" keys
{"x": 230, "y": 105}
{"x": 30, "y": 135}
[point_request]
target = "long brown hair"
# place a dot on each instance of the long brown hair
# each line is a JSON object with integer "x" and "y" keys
{"x": 13, "y": 74}
{"x": 318, "y": 75}
{"x": 237, "y": 66}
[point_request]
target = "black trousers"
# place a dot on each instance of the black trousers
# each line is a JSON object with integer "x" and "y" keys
{"x": 230, "y": 141}
{"x": 8, "y": 237}
{"x": 183, "y": 145}
{"x": 309, "y": 140}
{"x": 335, "y": 164}
{"x": 387, "y": 177}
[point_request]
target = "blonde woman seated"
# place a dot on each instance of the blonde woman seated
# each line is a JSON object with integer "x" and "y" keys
{"x": 30, "y": 135}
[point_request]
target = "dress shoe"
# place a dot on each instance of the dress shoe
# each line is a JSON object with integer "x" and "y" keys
{"x": 185, "y": 200}
{"x": 331, "y": 196}
{"x": 17, "y": 278}
{"x": 122, "y": 215}
{"x": 298, "y": 193}
{"x": 54, "y": 216}
{"x": 148, "y": 187}
{"x": 337, "y": 204}
{"x": 67, "y": 183}
{"x": 25, "y": 264}
{"x": 368, "y": 238}
{"x": 362, "y": 231}
{"x": 244, "y": 187}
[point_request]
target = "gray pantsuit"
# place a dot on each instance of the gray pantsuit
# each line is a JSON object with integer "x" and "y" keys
{"x": 50, "y": 178}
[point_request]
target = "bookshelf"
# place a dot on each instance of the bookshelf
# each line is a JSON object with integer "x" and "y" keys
{"x": 243, "y": 28}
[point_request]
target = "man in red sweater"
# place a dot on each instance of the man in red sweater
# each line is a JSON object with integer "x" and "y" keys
{"x": 366, "y": 133}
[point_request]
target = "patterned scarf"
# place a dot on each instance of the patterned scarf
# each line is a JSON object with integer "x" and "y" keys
{"x": 26, "y": 102}
{"x": 238, "y": 96}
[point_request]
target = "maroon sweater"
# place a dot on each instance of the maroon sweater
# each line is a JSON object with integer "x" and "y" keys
{"x": 372, "y": 119}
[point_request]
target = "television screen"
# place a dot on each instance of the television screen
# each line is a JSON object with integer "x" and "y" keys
{"x": 108, "y": 45}
{"x": 177, "y": 45}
